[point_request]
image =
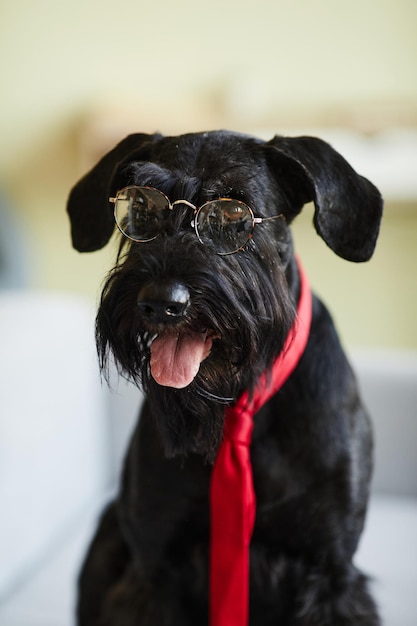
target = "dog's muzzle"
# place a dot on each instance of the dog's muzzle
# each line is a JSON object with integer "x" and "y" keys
{"x": 176, "y": 351}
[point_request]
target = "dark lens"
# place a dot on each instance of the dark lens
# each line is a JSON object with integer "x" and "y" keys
{"x": 225, "y": 224}
{"x": 140, "y": 211}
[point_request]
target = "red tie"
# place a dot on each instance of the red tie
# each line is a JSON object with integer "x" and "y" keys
{"x": 232, "y": 495}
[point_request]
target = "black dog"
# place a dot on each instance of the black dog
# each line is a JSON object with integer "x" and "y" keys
{"x": 196, "y": 310}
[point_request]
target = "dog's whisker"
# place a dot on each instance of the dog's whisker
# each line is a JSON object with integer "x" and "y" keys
{"x": 204, "y": 393}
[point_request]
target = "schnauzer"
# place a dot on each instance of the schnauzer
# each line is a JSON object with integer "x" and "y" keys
{"x": 209, "y": 311}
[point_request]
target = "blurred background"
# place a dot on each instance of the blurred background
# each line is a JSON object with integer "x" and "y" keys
{"x": 77, "y": 76}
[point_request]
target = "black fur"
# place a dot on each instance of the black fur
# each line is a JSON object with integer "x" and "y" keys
{"x": 312, "y": 443}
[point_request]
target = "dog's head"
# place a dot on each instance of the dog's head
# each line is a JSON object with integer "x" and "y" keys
{"x": 203, "y": 293}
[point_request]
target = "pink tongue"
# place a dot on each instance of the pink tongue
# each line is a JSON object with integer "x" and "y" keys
{"x": 175, "y": 359}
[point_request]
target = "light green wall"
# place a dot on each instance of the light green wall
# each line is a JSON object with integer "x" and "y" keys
{"x": 56, "y": 56}
{"x": 375, "y": 303}
{"x": 244, "y": 60}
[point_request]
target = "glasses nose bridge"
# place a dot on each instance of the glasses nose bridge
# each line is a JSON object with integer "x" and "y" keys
{"x": 180, "y": 219}
{"x": 184, "y": 202}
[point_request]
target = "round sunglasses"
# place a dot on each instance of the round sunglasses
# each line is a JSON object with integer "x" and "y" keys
{"x": 225, "y": 224}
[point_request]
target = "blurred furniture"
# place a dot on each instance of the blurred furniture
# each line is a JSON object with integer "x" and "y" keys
{"x": 388, "y": 549}
{"x": 15, "y": 247}
{"x": 63, "y": 434}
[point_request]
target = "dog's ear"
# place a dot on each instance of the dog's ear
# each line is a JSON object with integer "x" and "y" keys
{"x": 89, "y": 209}
{"x": 348, "y": 208}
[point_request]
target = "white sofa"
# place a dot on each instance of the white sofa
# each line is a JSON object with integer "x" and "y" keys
{"x": 62, "y": 436}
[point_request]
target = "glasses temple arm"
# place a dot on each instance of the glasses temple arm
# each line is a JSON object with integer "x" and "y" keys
{"x": 259, "y": 220}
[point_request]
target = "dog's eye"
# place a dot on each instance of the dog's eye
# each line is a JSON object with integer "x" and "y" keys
{"x": 140, "y": 211}
{"x": 225, "y": 224}
{"x": 234, "y": 213}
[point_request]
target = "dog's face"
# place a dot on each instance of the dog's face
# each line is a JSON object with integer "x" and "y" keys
{"x": 198, "y": 307}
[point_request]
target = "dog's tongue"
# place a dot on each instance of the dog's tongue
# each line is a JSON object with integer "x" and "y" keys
{"x": 175, "y": 359}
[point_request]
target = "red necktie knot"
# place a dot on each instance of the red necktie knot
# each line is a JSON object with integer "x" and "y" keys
{"x": 238, "y": 423}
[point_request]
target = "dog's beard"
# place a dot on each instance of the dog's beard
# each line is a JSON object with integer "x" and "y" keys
{"x": 189, "y": 419}
{"x": 244, "y": 310}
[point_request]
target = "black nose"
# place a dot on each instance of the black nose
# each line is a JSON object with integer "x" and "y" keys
{"x": 164, "y": 302}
